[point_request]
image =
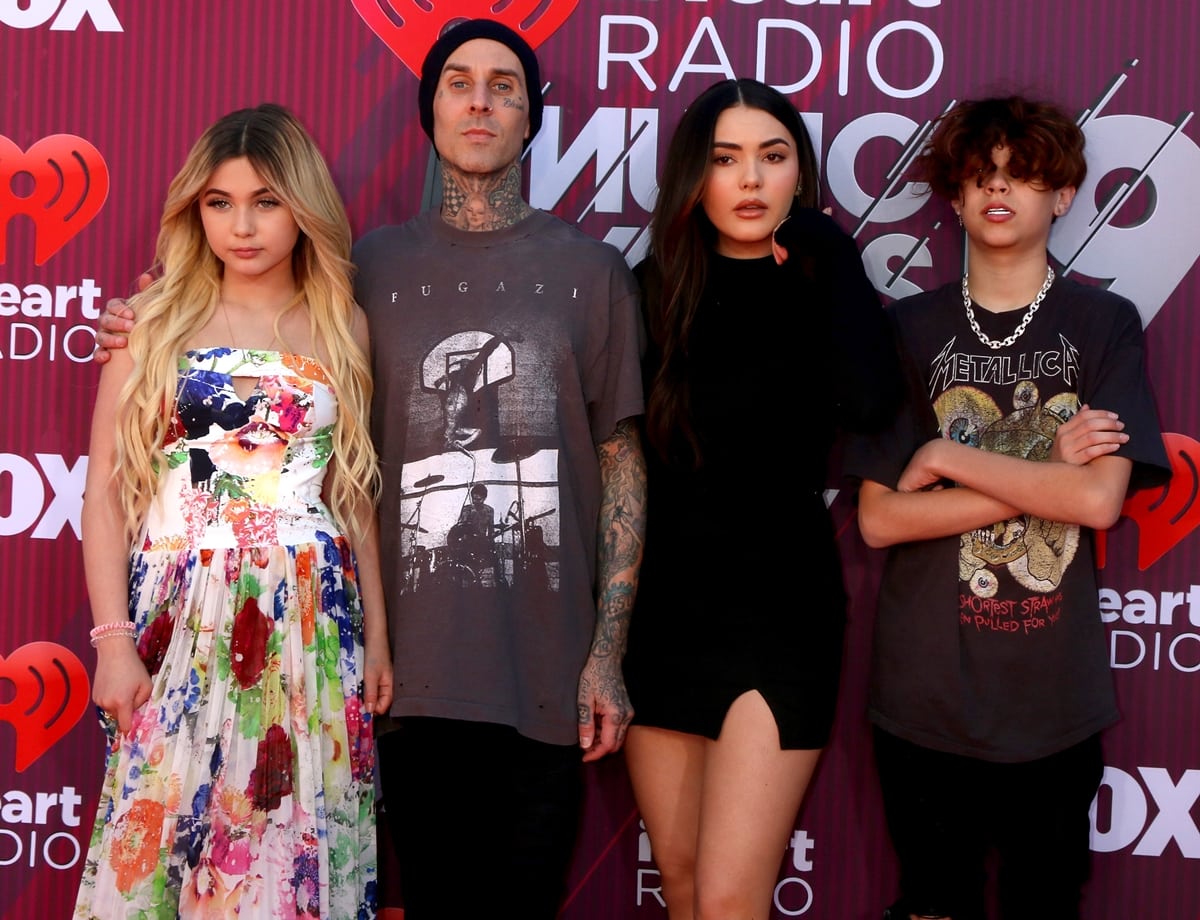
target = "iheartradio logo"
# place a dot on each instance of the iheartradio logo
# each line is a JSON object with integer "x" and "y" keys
{"x": 1166, "y": 515}
{"x": 69, "y": 187}
{"x": 410, "y": 27}
{"x": 52, "y": 691}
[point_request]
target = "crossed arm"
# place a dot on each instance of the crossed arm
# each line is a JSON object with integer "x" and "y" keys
{"x": 604, "y": 708}
{"x": 1080, "y": 484}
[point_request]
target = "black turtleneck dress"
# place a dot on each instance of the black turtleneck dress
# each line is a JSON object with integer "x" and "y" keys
{"x": 741, "y": 585}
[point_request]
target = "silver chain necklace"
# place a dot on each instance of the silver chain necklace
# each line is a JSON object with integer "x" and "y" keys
{"x": 1033, "y": 308}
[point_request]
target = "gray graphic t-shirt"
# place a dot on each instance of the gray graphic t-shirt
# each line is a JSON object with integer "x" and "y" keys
{"x": 501, "y": 359}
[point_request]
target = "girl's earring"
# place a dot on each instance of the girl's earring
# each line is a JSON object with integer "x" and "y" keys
{"x": 960, "y": 220}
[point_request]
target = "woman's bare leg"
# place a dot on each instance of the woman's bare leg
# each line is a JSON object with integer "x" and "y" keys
{"x": 751, "y": 793}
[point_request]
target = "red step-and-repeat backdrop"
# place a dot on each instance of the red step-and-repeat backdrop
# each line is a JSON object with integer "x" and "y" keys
{"x": 102, "y": 98}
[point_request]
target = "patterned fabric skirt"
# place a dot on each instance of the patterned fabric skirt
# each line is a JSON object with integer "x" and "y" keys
{"x": 245, "y": 787}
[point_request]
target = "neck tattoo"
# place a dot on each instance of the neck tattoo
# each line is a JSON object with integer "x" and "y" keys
{"x": 1020, "y": 330}
{"x": 483, "y": 202}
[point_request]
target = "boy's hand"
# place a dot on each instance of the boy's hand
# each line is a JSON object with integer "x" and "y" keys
{"x": 116, "y": 322}
{"x": 921, "y": 472}
{"x": 1088, "y": 434}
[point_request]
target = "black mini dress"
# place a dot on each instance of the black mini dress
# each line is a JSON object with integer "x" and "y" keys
{"x": 741, "y": 587}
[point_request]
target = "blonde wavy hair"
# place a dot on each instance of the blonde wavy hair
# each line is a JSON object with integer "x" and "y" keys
{"x": 184, "y": 297}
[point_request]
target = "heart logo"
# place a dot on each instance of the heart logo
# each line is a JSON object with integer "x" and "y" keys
{"x": 52, "y": 692}
{"x": 1164, "y": 516}
{"x": 70, "y": 186}
{"x": 410, "y": 27}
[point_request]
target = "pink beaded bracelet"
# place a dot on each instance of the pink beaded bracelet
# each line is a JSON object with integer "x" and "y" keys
{"x": 107, "y": 630}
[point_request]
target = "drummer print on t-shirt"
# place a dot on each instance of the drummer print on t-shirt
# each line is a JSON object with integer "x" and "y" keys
{"x": 482, "y": 512}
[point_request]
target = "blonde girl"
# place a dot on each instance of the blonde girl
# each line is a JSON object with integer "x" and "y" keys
{"x": 241, "y": 645}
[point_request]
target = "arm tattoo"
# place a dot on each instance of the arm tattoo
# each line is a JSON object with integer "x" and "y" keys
{"x": 483, "y": 201}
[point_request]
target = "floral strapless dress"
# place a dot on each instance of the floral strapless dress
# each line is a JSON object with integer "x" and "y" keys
{"x": 245, "y": 788}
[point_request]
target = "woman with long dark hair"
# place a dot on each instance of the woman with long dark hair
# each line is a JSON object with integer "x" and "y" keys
{"x": 766, "y": 338}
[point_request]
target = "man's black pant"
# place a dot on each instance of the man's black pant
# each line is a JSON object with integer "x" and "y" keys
{"x": 483, "y": 820}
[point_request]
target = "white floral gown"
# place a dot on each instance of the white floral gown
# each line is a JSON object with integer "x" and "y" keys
{"x": 245, "y": 787}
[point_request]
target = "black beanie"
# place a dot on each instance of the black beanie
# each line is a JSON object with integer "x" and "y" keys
{"x": 457, "y": 36}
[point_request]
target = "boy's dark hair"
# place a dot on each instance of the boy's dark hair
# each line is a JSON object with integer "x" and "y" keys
{"x": 1046, "y": 146}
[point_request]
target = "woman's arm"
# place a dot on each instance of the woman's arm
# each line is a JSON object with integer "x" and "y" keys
{"x": 377, "y": 656}
{"x": 121, "y": 683}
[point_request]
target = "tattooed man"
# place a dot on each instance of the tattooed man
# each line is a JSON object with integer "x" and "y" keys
{"x": 506, "y": 364}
